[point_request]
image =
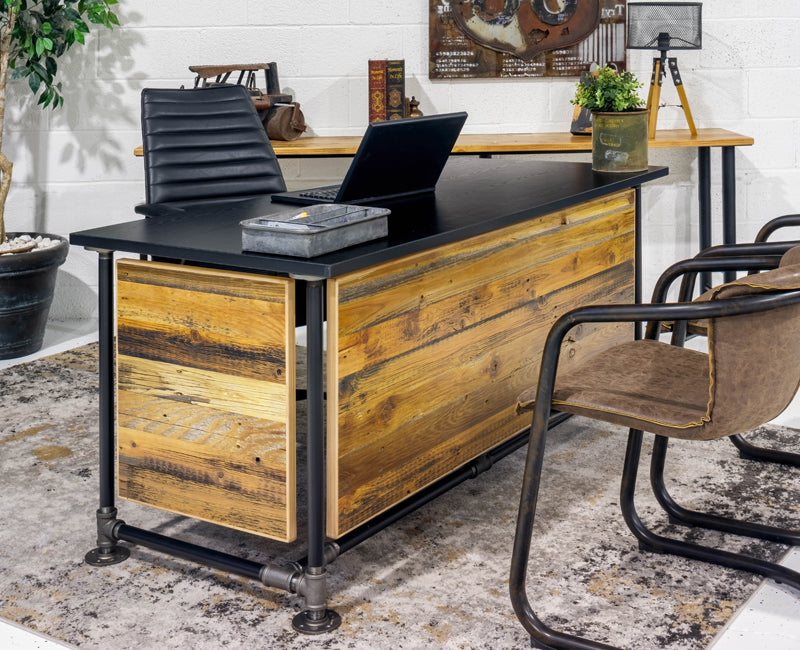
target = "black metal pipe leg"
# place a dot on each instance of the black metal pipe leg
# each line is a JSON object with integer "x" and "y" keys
{"x": 704, "y": 199}
{"x": 316, "y": 618}
{"x": 729, "y": 201}
{"x": 107, "y": 551}
{"x": 637, "y": 262}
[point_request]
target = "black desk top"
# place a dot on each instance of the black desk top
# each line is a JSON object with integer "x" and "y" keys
{"x": 473, "y": 196}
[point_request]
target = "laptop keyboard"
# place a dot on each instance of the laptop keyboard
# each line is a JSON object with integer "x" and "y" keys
{"x": 321, "y": 193}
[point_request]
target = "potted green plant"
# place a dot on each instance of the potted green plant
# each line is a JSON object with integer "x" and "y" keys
{"x": 619, "y": 123}
{"x": 34, "y": 34}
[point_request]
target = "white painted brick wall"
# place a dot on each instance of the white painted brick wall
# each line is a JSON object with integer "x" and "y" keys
{"x": 74, "y": 168}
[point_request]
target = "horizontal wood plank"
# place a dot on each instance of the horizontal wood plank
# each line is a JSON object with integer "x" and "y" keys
{"x": 241, "y": 491}
{"x": 203, "y": 388}
{"x": 207, "y": 320}
{"x": 373, "y": 326}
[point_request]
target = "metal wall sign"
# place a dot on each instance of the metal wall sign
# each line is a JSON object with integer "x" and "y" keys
{"x": 524, "y": 38}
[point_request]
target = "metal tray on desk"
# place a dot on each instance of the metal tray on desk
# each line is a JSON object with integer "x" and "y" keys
{"x": 314, "y": 230}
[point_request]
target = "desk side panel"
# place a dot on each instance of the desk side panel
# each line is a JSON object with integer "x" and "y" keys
{"x": 206, "y": 389}
{"x": 427, "y": 354}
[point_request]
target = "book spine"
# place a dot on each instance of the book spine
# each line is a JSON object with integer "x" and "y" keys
{"x": 395, "y": 89}
{"x": 377, "y": 90}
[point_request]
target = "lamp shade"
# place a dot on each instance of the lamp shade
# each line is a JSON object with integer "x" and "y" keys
{"x": 664, "y": 25}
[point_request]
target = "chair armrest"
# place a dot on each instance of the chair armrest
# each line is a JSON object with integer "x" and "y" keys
{"x": 785, "y": 221}
{"x": 754, "y": 248}
{"x": 706, "y": 261}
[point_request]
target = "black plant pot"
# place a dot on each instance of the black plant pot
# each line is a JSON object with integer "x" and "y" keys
{"x": 27, "y": 281}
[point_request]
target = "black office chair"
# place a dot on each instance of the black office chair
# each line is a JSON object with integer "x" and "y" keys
{"x": 747, "y": 378}
{"x": 204, "y": 145}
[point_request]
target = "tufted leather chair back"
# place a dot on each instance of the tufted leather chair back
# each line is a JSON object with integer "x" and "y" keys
{"x": 205, "y": 144}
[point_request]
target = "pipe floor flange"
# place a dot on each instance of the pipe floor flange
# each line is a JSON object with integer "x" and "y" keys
{"x": 305, "y": 624}
{"x": 96, "y": 557}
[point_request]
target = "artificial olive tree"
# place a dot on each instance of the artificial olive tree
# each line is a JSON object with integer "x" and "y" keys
{"x": 33, "y": 36}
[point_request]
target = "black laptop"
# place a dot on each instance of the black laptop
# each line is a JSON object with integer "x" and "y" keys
{"x": 396, "y": 159}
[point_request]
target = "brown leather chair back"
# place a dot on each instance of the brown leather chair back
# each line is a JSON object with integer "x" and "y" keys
{"x": 754, "y": 358}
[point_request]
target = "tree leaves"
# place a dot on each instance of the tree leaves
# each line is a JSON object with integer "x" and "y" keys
{"x": 44, "y": 31}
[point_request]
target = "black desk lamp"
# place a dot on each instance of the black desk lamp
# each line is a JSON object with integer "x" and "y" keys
{"x": 665, "y": 26}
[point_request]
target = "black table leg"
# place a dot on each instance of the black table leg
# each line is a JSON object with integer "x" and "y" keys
{"x": 704, "y": 196}
{"x": 107, "y": 551}
{"x": 637, "y": 259}
{"x": 729, "y": 201}
{"x": 316, "y": 618}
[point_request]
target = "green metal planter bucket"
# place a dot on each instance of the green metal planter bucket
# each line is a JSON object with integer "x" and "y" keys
{"x": 619, "y": 141}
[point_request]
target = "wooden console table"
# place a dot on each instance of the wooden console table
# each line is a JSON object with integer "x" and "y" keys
{"x": 487, "y": 144}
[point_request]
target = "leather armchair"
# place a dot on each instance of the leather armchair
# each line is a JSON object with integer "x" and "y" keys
{"x": 748, "y": 377}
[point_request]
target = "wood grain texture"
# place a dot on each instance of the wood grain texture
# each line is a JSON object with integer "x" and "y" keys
{"x": 512, "y": 142}
{"x": 205, "y": 394}
{"x": 427, "y": 354}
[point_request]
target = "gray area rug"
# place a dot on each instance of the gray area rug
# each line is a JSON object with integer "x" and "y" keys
{"x": 438, "y": 578}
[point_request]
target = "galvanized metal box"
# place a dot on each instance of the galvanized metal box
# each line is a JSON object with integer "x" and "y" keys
{"x": 314, "y": 230}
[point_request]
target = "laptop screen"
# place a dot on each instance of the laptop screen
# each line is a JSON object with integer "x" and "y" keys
{"x": 401, "y": 157}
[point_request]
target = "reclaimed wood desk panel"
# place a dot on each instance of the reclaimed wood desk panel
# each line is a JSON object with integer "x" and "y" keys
{"x": 426, "y": 354}
{"x": 206, "y": 394}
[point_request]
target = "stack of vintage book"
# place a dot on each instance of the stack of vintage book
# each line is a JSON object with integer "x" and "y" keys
{"x": 387, "y": 89}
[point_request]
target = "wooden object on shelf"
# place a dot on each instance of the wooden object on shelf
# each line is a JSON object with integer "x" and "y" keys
{"x": 581, "y": 121}
{"x": 247, "y": 78}
{"x": 412, "y": 107}
{"x": 425, "y": 353}
{"x": 206, "y": 400}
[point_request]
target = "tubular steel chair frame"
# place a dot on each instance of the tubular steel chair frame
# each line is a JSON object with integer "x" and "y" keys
{"x": 544, "y": 636}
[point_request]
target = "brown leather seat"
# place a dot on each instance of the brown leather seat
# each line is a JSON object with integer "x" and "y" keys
{"x": 748, "y": 376}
